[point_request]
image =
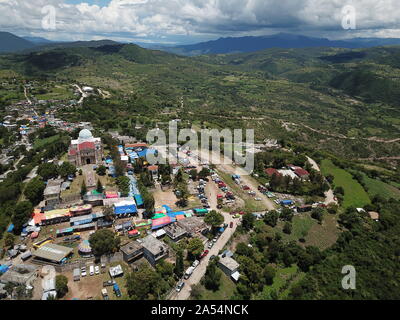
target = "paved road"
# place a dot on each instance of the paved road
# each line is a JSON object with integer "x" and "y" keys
{"x": 211, "y": 191}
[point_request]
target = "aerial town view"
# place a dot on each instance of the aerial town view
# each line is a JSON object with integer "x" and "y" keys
{"x": 210, "y": 153}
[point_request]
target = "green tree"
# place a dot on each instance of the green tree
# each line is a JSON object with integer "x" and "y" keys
{"x": 214, "y": 219}
{"x": 61, "y": 285}
{"x": 212, "y": 277}
{"x": 99, "y": 187}
{"x": 34, "y": 190}
{"x": 9, "y": 240}
{"x": 83, "y": 189}
{"x": 23, "y": 212}
{"x": 179, "y": 264}
{"x": 271, "y": 218}
{"x": 101, "y": 170}
{"x": 287, "y": 228}
{"x": 104, "y": 241}
{"x": 318, "y": 214}
{"x": 66, "y": 169}
{"x": 248, "y": 221}
{"x": 143, "y": 284}
{"x": 195, "y": 248}
{"x": 269, "y": 275}
{"x": 48, "y": 171}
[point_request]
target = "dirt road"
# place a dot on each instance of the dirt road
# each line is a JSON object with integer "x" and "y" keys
{"x": 329, "y": 195}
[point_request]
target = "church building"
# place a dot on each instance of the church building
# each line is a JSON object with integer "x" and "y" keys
{"x": 85, "y": 150}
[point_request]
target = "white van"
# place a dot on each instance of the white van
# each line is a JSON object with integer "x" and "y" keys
{"x": 91, "y": 270}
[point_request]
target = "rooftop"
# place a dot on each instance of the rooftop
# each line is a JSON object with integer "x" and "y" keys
{"x": 52, "y": 252}
{"x": 229, "y": 263}
{"x": 153, "y": 245}
{"x": 131, "y": 248}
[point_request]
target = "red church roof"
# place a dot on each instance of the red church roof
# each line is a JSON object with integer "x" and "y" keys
{"x": 72, "y": 152}
{"x": 86, "y": 145}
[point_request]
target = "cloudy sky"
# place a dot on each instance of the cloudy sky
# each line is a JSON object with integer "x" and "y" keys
{"x": 189, "y": 21}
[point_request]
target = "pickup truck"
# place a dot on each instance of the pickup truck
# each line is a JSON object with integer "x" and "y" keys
{"x": 117, "y": 291}
{"x": 104, "y": 293}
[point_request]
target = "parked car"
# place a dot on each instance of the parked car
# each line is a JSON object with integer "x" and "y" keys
{"x": 204, "y": 254}
{"x": 117, "y": 291}
{"x": 105, "y": 294}
{"x": 212, "y": 257}
{"x": 210, "y": 245}
{"x": 97, "y": 270}
{"x": 215, "y": 239}
{"x": 195, "y": 264}
{"x": 108, "y": 283}
{"x": 231, "y": 225}
{"x": 83, "y": 272}
{"x": 91, "y": 270}
{"x": 180, "y": 286}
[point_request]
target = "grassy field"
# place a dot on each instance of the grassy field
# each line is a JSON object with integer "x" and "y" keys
{"x": 377, "y": 187}
{"x": 284, "y": 279}
{"x": 42, "y": 142}
{"x": 354, "y": 193}
{"x": 301, "y": 225}
{"x": 225, "y": 291}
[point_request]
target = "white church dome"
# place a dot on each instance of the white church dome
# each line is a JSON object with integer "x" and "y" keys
{"x": 85, "y": 134}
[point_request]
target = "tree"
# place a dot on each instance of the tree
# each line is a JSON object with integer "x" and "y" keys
{"x": 99, "y": 187}
{"x": 212, "y": 277}
{"x": 108, "y": 213}
{"x": 179, "y": 264}
{"x": 143, "y": 284}
{"x": 271, "y": 218}
{"x": 104, "y": 242}
{"x": 101, "y": 170}
{"x": 214, "y": 219}
{"x": 204, "y": 173}
{"x": 61, "y": 285}
{"x": 287, "y": 228}
{"x": 248, "y": 221}
{"x": 269, "y": 275}
{"x": 66, "y": 169}
{"x": 48, "y": 171}
{"x": 9, "y": 240}
{"x": 197, "y": 292}
{"x": 83, "y": 189}
{"x": 318, "y": 214}
{"x": 287, "y": 214}
{"x": 195, "y": 248}
{"x": 23, "y": 212}
{"x": 193, "y": 174}
{"x": 34, "y": 190}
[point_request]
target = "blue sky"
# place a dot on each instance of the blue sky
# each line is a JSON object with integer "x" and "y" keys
{"x": 188, "y": 21}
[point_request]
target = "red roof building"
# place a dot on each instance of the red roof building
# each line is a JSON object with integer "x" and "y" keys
{"x": 302, "y": 173}
{"x": 271, "y": 172}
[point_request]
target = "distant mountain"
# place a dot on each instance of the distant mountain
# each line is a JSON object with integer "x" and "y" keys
{"x": 38, "y": 40}
{"x": 281, "y": 40}
{"x": 12, "y": 43}
{"x": 75, "y": 44}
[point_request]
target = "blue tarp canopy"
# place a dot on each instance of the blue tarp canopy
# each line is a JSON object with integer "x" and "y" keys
{"x": 10, "y": 228}
{"x": 3, "y": 268}
{"x": 167, "y": 208}
{"x": 125, "y": 209}
{"x": 286, "y": 202}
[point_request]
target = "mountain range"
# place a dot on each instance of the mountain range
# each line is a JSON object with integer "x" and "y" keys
{"x": 10, "y": 43}
{"x": 281, "y": 40}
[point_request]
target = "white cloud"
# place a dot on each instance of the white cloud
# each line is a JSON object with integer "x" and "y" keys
{"x": 165, "y": 18}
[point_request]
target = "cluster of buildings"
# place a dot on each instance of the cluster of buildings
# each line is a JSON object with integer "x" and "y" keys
{"x": 292, "y": 171}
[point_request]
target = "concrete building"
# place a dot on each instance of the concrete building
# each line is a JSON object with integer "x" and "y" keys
{"x": 154, "y": 249}
{"x": 85, "y": 150}
{"x": 229, "y": 266}
{"x": 20, "y": 274}
{"x": 132, "y": 251}
{"x": 192, "y": 225}
{"x": 175, "y": 232}
{"x": 52, "y": 192}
